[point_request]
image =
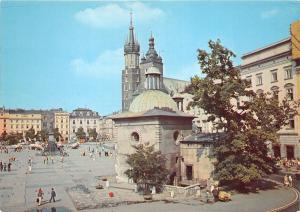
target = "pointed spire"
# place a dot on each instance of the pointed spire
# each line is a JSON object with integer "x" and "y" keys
{"x": 131, "y": 44}
{"x": 131, "y": 19}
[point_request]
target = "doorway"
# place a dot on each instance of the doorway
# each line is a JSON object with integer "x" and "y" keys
{"x": 290, "y": 152}
{"x": 276, "y": 151}
{"x": 189, "y": 172}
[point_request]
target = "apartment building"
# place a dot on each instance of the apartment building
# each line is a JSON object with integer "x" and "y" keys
{"x": 61, "y": 121}
{"x": 276, "y": 69}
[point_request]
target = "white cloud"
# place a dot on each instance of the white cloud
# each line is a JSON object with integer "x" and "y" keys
{"x": 269, "y": 13}
{"x": 115, "y": 15}
{"x": 108, "y": 63}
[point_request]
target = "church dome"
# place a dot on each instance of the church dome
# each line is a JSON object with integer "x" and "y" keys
{"x": 151, "y": 99}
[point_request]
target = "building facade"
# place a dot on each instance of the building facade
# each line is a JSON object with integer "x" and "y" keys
{"x": 4, "y": 121}
{"x": 106, "y": 129}
{"x": 62, "y": 123}
{"x": 21, "y": 121}
{"x": 85, "y": 118}
{"x": 274, "y": 69}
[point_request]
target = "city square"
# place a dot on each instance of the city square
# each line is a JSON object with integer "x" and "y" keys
{"x": 18, "y": 193}
{"x": 149, "y": 106}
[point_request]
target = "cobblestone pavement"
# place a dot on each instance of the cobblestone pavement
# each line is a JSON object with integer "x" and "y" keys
{"x": 75, "y": 179}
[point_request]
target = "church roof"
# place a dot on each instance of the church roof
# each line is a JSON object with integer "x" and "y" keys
{"x": 156, "y": 112}
{"x": 151, "y": 99}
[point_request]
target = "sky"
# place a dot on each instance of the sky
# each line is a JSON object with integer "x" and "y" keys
{"x": 67, "y": 54}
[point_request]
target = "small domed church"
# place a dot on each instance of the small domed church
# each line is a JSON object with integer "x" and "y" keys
{"x": 149, "y": 114}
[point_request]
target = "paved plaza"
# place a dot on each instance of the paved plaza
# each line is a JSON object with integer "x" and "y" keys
{"x": 74, "y": 181}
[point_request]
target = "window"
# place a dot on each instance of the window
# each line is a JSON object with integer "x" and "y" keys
{"x": 73, "y": 121}
{"x": 175, "y": 135}
{"x": 275, "y": 91}
{"x": 94, "y": 121}
{"x": 259, "y": 79}
{"x": 80, "y": 121}
{"x": 274, "y": 76}
{"x": 288, "y": 73}
{"x": 289, "y": 91}
{"x": 249, "y": 79}
{"x": 62, "y": 121}
{"x": 66, "y": 132}
{"x": 73, "y": 130}
{"x": 37, "y": 126}
{"x": 87, "y": 121}
{"x": 135, "y": 136}
{"x": 290, "y": 94}
{"x": 292, "y": 123}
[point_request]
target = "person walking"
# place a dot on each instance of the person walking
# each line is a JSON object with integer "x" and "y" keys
{"x": 1, "y": 166}
{"x": 290, "y": 181}
{"x": 4, "y": 167}
{"x": 9, "y": 166}
{"x": 53, "y": 195}
{"x": 40, "y": 196}
{"x": 285, "y": 181}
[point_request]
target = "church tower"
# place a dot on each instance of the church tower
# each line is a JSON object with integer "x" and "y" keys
{"x": 131, "y": 73}
{"x": 151, "y": 59}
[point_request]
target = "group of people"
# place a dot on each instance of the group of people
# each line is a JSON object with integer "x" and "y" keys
{"x": 288, "y": 180}
{"x": 40, "y": 196}
{"x": 46, "y": 159}
{"x": 5, "y": 167}
{"x": 3, "y": 149}
{"x": 288, "y": 164}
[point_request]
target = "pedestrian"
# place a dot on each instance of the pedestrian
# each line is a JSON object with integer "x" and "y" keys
{"x": 4, "y": 167}
{"x": 44, "y": 160}
{"x": 29, "y": 168}
{"x": 53, "y": 195}
{"x": 1, "y": 166}
{"x": 52, "y": 159}
{"x": 99, "y": 153}
{"x": 285, "y": 181}
{"x": 290, "y": 181}
{"x": 9, "y": 166}
{"x": 40, "y": 196}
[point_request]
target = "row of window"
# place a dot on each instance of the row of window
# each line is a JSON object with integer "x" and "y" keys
{"x": 22, "y": 126}
{"x": 274, "y": 76}
{"x": 289, "y": 91}
{"x": 87, "y": 121}
{"x": 22, "y": 121}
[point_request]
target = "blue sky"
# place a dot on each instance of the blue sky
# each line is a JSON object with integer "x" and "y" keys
{"x": 70, "y": 54}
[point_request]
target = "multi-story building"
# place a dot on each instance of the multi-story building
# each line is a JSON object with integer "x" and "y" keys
{"x": 21, "y": 121}
{"x": 4, "y": 119}
{"x": 276, "y": 69}
{"x": 85, "y": 118}
{"x": 61, "y": 121}
{"x": 106, "y": 128}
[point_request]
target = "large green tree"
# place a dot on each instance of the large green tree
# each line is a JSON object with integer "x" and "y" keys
{"x": 93, "y": 134}
{"x": 248, "y": 120}
{"x": 147, "y": 167}
{"x": 30, "y": 135}
{"x": 42, "y": 135}
{"x": 12, "y": 139}
{"x": 80, "y": 134}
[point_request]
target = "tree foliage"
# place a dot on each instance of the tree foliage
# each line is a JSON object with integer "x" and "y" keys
{"x": 147, "y": 167}
{"x": 30, "y": 135}
{"x": 93, "y": 134}
{"x": 42, "y": 135}
{"x": 249, "y": 120}
{"x": 57, "y": 134}
{"x": 80, "y": 134}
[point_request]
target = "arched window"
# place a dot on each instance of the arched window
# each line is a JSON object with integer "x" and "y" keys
{"x": 135, "y": 136}
{"x": 175, "y": 135}
{"x": 275, "y": 91}
{"x": 289, "y": 91}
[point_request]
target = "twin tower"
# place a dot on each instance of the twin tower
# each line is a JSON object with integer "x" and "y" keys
{"x": 134, "y": 74}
